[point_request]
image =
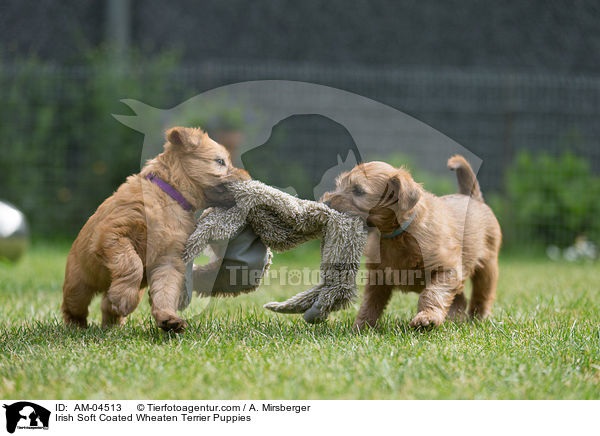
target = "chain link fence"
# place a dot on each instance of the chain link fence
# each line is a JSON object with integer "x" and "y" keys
{"x": 63, "y": 152}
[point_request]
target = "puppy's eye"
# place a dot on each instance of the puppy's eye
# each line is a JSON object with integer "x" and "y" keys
{"x": 220, "y": 162}
{"x": 358, "y": 191}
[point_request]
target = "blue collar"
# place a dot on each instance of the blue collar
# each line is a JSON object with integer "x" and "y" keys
{"x": 402, "y": 228}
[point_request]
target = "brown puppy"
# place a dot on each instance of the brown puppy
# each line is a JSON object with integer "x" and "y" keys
{"x": 136, "y": 237}
{"x": 425, "y": 244}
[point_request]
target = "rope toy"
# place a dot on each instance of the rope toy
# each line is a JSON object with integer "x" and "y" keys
{"x": 283, "y": 222}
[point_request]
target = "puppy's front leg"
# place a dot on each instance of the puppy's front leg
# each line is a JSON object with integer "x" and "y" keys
{"x": 457, "y": 309}
{"x": 374, "y": 301}
{"x": 165, "y": 282}
{"x": 435, "y": 300}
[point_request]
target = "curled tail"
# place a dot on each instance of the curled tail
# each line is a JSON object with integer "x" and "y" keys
{"x": 467, "y": 182}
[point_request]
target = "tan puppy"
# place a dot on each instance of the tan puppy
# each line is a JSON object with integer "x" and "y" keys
{"x": 136, "y": 237}
{"x": 425, "y": 244}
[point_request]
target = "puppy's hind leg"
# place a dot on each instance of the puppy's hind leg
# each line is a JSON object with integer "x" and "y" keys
{"x": 77, "y": 296}
{"x": 484, "y": 281}
{"x": 374, "y": 301}
{"x": 109, "y": 316}
{"x": 126, "y": 272}
{"x": 76, "y": 299}
{"x": 458, "y": 307}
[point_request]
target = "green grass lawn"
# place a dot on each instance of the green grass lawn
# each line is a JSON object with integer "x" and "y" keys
{"x": 543, "y": 342}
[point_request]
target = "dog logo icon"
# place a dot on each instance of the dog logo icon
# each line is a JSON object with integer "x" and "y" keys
{"x": 26, "y": 415}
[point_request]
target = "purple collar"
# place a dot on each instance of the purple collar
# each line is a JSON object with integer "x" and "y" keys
{"x": 170, "y": 190}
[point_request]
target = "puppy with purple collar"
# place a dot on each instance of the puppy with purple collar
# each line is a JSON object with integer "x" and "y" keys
{"x": 136, "y": 236}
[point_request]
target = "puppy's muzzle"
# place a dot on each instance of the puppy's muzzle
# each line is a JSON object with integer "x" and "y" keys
{"x": 237, "y": 175}
{"x": 220, "y": 195}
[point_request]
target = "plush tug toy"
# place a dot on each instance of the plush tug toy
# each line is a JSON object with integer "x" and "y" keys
{"x": 283, "y": 222}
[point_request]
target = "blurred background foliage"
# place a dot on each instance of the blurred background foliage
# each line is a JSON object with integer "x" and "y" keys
{"x": 549, "y": 200}
{"x": 518, "y": 85}
{"x": 66, "y": 151}
{"x": 437, "y": 184}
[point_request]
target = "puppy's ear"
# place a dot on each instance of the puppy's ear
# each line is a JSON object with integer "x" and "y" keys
{"x": 406, "y": 190}
{"x": 177, "y": 136}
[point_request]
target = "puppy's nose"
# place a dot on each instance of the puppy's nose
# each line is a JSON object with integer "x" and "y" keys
{"x": 239, "y": 174}
{"x": 327, "y": 203}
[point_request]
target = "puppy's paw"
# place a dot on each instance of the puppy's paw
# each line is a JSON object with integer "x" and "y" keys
{"x": 171, "y": 323}
{"x": 360, "y": 326}
{"x": 457, "y": 316}
{"x": 426, "y": 319}
{"x": 123, "y": 305}
{"x": 480, "y": 314}
{"x": 75, "y": 322}
{"x": 457, "y": 312}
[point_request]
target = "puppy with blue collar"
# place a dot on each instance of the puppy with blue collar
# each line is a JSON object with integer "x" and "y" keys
{"x": 421, "y": 242}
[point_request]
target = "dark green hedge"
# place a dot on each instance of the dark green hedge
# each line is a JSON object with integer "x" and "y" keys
{"x": 62, "y": 151}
